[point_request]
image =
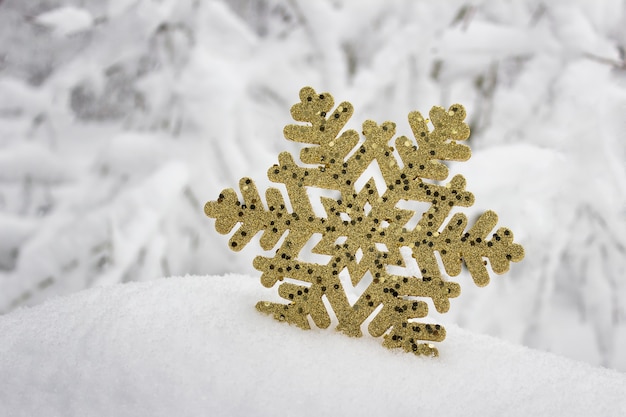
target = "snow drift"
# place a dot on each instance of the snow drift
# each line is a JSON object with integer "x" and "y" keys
{"x": 196, "y": 346}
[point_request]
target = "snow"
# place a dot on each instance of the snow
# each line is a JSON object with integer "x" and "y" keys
{"x": 27, "y": 161}
{"x": 196, "y": 346}
{"x": 66, "y": 20}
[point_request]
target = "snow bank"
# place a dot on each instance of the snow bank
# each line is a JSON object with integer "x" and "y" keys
{"x": 197, "y": 346}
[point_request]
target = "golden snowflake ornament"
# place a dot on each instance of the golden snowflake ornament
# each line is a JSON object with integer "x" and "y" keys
{"x": 363, "y": 230}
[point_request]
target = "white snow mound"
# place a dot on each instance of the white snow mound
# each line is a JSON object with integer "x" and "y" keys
{"x": 197, "y": 346}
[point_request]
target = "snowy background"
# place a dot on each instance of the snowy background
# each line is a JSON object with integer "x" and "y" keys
{"x": 120, "y": 118}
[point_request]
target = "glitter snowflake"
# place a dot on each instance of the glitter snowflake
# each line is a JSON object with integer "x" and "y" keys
{"x": 363, "y": 230}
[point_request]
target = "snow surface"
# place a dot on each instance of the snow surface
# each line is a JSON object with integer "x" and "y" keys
{"x": 197, "y": 346}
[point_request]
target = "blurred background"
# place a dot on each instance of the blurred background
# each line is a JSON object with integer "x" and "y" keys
{"x": 120, "y": 118}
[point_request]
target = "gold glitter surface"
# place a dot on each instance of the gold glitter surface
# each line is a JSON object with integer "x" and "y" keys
{"x": 364, "y": 222}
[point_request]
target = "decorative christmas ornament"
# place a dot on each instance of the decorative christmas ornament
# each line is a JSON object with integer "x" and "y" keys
{"x": 363, "y": 230}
